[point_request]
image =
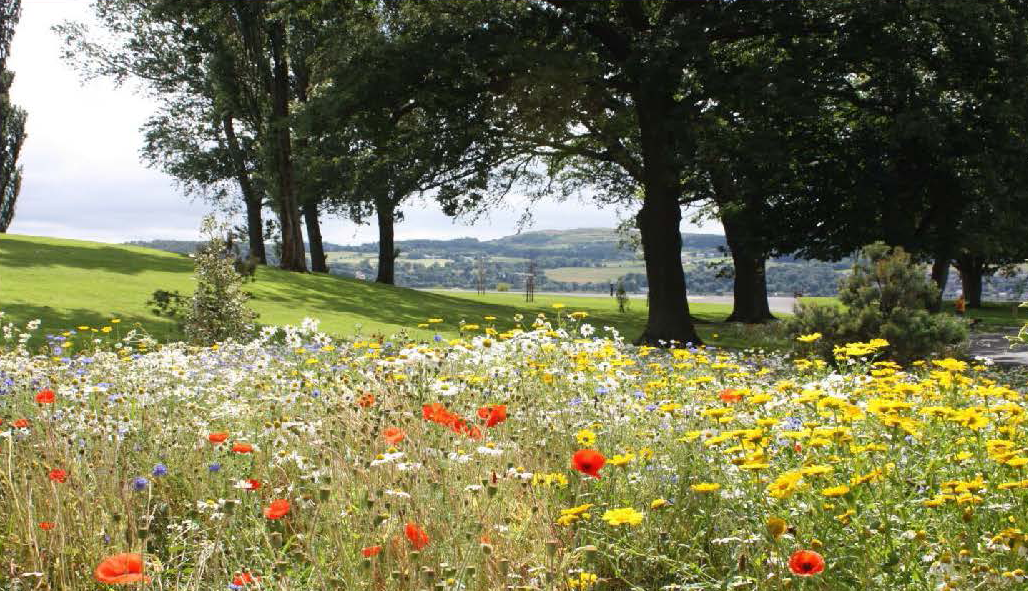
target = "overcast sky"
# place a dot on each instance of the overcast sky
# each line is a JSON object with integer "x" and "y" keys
{"x": 83, "y": 177}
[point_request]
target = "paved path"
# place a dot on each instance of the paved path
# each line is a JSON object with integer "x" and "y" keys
{"x": 995, "y": 346}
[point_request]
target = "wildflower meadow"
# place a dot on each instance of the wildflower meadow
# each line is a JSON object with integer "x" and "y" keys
{"x": 550, "y": 455}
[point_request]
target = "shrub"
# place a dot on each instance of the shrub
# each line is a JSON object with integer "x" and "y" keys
{"x": 503, "y": 287}
{"x": 217, "y": 311}
{"x": 886, "y": 296}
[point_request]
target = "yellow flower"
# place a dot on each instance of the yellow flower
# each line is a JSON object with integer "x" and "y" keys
{"x": 809, "y": 338}
{"x": 705, "y": 487}
{"x": 776, "y": 526}
{"x": 570, "y": 516}
{"x": 836, "y": 491}
{"x": 558, "y": 306}
{"x": 585, "y": 437}
{"x": 658, "y": 503}
{"x": 784, "y": 485}
{"x": 434, "y": 320}
{"x": 621, "y": 460}
{"x": 623, "y": 516}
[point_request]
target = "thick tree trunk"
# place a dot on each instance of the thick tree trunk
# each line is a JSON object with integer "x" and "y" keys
{"x": 386, "y": 212}
{"x": 940, "y": 275}
{"x": 294, "y": 257}
{"x": 668, "y": 322}
{"x": 749, "y": 299}
{"x": 972, "y": 273}
{"x": 254, "y": 202}
{"x": 319, "y": 264}
{"x": 749, "y": 295}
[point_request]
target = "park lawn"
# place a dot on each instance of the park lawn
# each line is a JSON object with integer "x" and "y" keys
{"x": 70, "y": 283}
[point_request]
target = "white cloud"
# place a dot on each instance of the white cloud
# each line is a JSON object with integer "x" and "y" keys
{"x": 83, "y": 177}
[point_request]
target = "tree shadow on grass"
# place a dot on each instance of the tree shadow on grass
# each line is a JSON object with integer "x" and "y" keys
{"x": 57, "y": 321}
{"x": 23, "y": 252}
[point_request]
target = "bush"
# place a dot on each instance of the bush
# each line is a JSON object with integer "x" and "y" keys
{"x": 886, "y": 296}
{"x": 503, "y": 287}
{"x": 217, "y": 311}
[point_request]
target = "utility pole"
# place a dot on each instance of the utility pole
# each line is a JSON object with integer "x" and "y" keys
{"x": 530, "y": 282}
{"x": 480, "y": 278}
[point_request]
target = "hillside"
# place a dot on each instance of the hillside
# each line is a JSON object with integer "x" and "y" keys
{"x": 68, "y": 283}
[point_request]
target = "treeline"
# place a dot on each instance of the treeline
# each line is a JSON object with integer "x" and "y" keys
{"x": 808, "y": 128}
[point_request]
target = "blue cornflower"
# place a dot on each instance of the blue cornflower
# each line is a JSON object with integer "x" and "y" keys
{"x": 140, "y": 483}
{"x": 160, "y": 470}
{"x": 214, "y": 467}
{"x": 438, "y": 338}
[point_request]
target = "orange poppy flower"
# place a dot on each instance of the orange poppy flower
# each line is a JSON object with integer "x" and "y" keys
{"x": 806, "y": 563}
{"x": 729, "y": 395}
{"x": 45, "y": 396}
{"x": 277, "y": 510}
{"x": 242, "y": 448}
{"x": 217, "y": 437}
{"x": 47, "y": 525}
{"x": 366, "y": 400}
{"x": 21, "y": 423}
{"x": 493, "y": 415}
{"x": 417, "y": 536}
{"x": 244, "y": 579}
{"x": 58, "y": 475}
{"x": 393, "y": 435}
{"x": 370, "y": 551}
{"x": 588, "y": 461}
{"x": 121, "y": 569}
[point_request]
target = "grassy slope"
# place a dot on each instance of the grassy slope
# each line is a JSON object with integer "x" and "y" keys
{"x": 68, "y": 283}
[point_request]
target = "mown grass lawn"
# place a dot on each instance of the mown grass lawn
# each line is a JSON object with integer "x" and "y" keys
{"x": 68, "y": 283}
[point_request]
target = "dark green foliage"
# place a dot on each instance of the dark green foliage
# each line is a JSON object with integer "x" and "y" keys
{"x": 886, "y": 296}
{"x": 12, "y": 119}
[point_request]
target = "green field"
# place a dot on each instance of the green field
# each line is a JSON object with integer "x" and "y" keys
{"x": 67, "y": 283}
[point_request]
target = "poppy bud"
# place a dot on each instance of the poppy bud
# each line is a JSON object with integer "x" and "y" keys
{"x": 276, "y": 539}
{"x": 551, "y": 548}
{"x": 487, "y": 549}
{"x": 324, "y": 492}
{"x": 504, "y": 567}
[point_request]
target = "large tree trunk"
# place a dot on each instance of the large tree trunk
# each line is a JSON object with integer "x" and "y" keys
{"x": 310, "y": 215}
{"x": 749, "y": 294}
{"x": 940, "y": 275}
{"x": 972, "y": 272}
{"x": 254, "y": 202}
{"x": 386, "y": 212}
{"x": 749, "y": 298}
{"x": 668, "y": 322}
{"x": 294, "y": 257}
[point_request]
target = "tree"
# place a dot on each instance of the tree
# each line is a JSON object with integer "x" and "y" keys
{"x": 400, "y": 110}
{"x": 12, "y": 119}
{"x": 924, "y": 104}
{"x": 225, "y": 66}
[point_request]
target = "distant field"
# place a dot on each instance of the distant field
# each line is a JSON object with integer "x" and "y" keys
{"x": 353, "y": 258}
{"x": 593, "y": 274}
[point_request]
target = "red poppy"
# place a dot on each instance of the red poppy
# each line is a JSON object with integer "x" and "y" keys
{"x": 121, "y": 569}
{"x": 21, "y": 424}
{"x": 493, "y": 415}
{"x": 217, "y": 437}
{"x": 243, "y": 579}
{"x": 242, "y": 448}
{"x": 588, "y": 461}
{"x": 437, "y": 413}
{"x": 277, "y": 510}
{"x": 393, "y": 435}
{"x": 730, "y": 396}
{"x": 366, "y": 400}
{"x": 45, "y": 396}
{"x": 58, "y": 475}
{"x": 806, "y": 563}
{"x": 370, "y": 551}
{"x": 251, "y": 484}
{"x": 417, "y": 536}
{"x": 47, "y": 525}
